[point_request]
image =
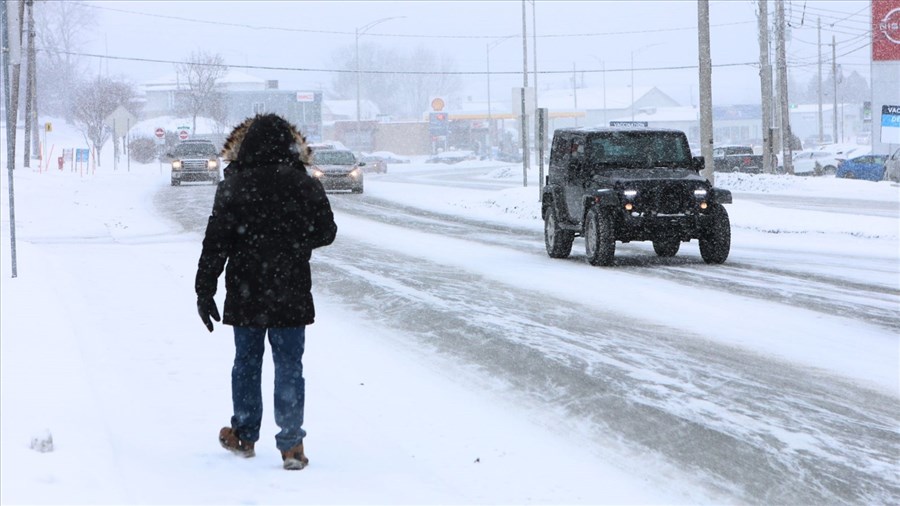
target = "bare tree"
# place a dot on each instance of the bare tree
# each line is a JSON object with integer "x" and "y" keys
{"x": 421, "y": 74}
{"x": 60, "y": 30}
{"x": 94, "y": 102}
{"x": 201, "y": 74}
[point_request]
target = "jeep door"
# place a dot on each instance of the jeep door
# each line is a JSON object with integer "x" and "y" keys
{"x": 577, "y": 177}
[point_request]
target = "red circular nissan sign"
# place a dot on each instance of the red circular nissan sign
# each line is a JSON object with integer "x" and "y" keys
{"x": 160, "y": 133}
{"x": 183, "y": 135}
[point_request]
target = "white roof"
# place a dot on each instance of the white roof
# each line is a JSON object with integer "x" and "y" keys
{"x": 232, "y": 77}
{"x": 684, "y": 113}
{"x": 591, "y": 98}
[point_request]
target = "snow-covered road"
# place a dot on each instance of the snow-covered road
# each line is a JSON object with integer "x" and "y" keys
{"x": 653, "y": 358}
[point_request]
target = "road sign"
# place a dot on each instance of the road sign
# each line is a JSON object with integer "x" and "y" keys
{"x": 183, "y": 135}
{"x": 120, "y": 121}
{"x": 438, "y": 123}
{"x": 160, "y": 133}
{"x": 890, "y": 124}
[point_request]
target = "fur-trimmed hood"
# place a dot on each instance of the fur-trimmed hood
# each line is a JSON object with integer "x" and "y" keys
{"x": 266, "y": 138}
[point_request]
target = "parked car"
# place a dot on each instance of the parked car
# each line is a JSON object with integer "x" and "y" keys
{"x": 452, "y": 157}
{"x": 892, "y": 167}
{"x": 373, "y": 163}
{"x": 195, "y": 160}
{"x": 737, "y": 159}
{"x": 804, "y": 162}
{"x": 824, "y": 160}
{"x": 389, "y": 157}
{"x": 337, "y": 169}
{"x": 868, "y": 167}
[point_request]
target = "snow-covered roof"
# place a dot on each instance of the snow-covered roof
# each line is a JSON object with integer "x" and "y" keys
{"x": 347, "y": 109}
{"x": 592, "y": 98}
{"x": 232, "y": 78}
{"x": 685, "y": 113}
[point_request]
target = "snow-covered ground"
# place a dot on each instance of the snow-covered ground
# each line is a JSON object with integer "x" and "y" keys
{"x": 101, "y": 347}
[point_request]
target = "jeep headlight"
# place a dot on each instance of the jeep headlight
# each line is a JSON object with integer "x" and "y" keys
{"x": 212, "y": 164}
{"x": 176, "y": 165}
{"x": 700, "y": 195}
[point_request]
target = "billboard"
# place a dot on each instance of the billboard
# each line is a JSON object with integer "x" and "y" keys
{"x": 885, "y": 30}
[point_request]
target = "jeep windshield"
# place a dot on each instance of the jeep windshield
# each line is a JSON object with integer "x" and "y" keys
{"x": 639, "y": 150}
{"x": 334, "y": 157}
{"x": 195, "y": 150}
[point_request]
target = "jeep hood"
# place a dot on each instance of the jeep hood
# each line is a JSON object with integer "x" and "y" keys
{"x": 624, "y": 175}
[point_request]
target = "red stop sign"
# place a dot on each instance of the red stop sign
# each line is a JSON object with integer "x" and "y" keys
{"x": 160, "y": 133}
{"x": 183, "y": 135}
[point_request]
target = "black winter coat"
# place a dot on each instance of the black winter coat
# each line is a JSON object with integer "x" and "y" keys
{"x": 266, "y": 220}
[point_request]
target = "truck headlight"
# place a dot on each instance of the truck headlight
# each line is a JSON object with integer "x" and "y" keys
{"x": 212, "y": 164}
{"x": 176, "y": 165}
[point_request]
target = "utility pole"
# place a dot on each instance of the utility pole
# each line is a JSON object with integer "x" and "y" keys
{"x": 765, "y": 81}
{"x": 819, "y": 84}
{"x": 706, "y": 124}
{"x": 525, "y": 153}
{"x": 834, "y": 135}
{"x": 11, "y": 52}
{"x": 29, "y": 85}
{"x": 781, "y": 63}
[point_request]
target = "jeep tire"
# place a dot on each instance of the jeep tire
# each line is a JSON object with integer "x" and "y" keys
{"x": 599, "y": 237}
{"x": 715, "y": 239}
{"x": 557, "y": 240}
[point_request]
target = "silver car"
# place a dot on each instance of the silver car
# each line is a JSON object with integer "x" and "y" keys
{"x": 892, "y": 167}
{"x": 337, "y": 169}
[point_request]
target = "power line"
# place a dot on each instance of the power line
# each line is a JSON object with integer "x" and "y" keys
{"x": 406, "y": 72}
{"x": 398, "y": 35}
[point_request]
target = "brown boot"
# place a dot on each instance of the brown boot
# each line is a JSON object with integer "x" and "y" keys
{"x": 294, "y": 459}
{"x": 229, "y": 440}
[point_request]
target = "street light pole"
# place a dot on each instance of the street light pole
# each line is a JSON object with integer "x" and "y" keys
{"x": 638, "y": 50}
{"x": 488, "y": 47}
{"x": 360, "y": 31}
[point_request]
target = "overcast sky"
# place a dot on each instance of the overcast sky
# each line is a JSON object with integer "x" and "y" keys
{"x": 589, "y": 35}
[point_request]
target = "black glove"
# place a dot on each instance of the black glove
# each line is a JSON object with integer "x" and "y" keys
{"x": 206, "y": 306}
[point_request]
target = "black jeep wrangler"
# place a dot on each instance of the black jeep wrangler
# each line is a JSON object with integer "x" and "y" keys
{"x": 630, "y": 184}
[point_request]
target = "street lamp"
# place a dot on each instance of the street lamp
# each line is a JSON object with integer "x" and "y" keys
{"x": 360, "y": 31}
{"x": 488, "y": 47}
{"x": 632, "y": 72}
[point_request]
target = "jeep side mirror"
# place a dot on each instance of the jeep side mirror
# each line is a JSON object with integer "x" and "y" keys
{"x": 699, "y": 163}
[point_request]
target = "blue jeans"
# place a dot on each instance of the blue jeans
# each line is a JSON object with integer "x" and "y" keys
{"x": 290, "y": 387}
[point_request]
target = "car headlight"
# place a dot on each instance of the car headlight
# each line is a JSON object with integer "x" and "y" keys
{"x": 356, "y": 173}
{"x": 630, "y": 194}
{"x": 316, "y": 173}
{"x": 212, "y": 164}
{"x": 700, "y": 194}
{"x": 176, "y": 165}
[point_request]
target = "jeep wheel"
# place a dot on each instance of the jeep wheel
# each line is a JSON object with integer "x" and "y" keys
{"x": 599, "y": 239}
{"x": 715, "y": 239}
{"x": 557, "y": 240}
{"x": 666, "y": 247}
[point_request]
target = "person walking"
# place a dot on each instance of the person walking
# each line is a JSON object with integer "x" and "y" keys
{"x": 267, "y": 217}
